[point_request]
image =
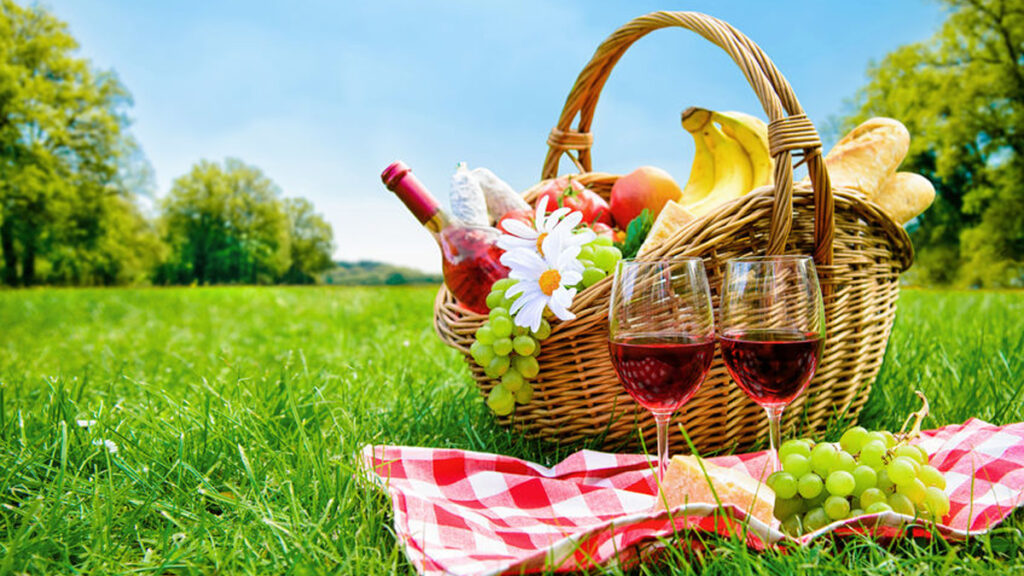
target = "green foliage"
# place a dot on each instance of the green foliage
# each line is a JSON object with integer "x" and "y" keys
{"x": 238, "y": 414}
{"x": 227, "y": 224}
{"x": 961, "y": 95}
{"x": 636, "y": 233}
{"x": 68, "y": 168}
{"x": 368, "y": 273}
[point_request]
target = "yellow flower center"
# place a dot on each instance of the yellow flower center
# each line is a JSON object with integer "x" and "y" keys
{"x": 540, "y": 242}
{"x": 549, "y": 281}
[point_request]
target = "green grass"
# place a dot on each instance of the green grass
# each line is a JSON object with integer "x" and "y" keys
{"x": 238, "y": 412}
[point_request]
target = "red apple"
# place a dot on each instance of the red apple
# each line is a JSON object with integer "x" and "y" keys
{"x": 646, "y": 187}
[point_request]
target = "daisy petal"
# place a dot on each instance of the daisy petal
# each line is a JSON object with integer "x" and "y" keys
{"x": 520, "y": 229}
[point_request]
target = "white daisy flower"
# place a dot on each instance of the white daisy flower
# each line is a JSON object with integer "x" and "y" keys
{"x": 561, "y": 220}
{"x": 544, "y": 277}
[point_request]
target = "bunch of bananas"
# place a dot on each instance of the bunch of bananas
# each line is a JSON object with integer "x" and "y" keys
{"x": 731, "y": 159}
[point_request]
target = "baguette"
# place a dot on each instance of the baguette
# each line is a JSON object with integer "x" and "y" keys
{"x": 866, "y": 157}
{"x": 905, "y": 195}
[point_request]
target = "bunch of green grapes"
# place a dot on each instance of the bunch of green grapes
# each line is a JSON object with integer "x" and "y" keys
{"x": 864, "y": 473}
{"x": 599, "y": 259}
{"x": 507, "y": 352}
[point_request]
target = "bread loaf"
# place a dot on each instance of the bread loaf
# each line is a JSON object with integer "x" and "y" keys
{"x": 904, "y": 195}
{"x": 686, "y": 483}
{"x": 866, "y": 157}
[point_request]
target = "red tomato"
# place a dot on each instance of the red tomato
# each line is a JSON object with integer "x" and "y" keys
{"x": 569, "y": 193}
{"x": 524, "y": 216}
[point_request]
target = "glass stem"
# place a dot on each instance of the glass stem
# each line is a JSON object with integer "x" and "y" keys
{"x": 661, "y": 421}
{"x": 774, "y": 434}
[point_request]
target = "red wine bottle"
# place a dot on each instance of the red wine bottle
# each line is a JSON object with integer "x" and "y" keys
{"x": 469, "y": 255}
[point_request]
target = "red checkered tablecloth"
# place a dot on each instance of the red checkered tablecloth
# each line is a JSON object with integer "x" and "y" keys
{"x": 459, "y": 512}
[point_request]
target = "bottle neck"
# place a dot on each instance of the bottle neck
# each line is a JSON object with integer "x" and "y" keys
{"x": 417, "y": 198}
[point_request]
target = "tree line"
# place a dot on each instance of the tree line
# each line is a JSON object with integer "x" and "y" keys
{"x": 961, "y": 95}
{"x": 73, "y": 180}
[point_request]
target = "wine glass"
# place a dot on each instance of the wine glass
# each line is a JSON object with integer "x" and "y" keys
{"x": 772, "y": 325}
{"x": 661, "y": 335}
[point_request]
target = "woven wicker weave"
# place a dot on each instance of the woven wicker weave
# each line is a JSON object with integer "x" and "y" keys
{"x": 859, "y": 251}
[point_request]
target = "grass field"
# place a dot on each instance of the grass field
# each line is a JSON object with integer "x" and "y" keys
{"x": 236, "y": 414}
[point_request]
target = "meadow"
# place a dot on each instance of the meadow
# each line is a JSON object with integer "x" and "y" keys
{"x": 215, "y": 430}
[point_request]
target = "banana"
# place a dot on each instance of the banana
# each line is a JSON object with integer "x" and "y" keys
{"x": 731, "y": 164}
{"x": 702, "y": 172}
{"x": 752, "y": 133}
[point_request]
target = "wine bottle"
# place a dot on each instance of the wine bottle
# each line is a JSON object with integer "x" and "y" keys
{"x": 469, "y": 254}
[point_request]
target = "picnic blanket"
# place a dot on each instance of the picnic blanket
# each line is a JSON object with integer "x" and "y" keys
{"x": 462, "y": 512}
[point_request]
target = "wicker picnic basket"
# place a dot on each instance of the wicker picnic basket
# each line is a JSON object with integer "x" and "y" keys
{"x": 859, "y": 251}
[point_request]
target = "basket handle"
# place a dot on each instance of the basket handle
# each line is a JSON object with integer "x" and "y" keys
{"x": 789, "y": 129}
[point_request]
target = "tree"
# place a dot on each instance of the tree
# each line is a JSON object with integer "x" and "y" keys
{"x": 311, "y": 239}
{"x": 64, "y": 148}
{"x": 961, "y": 95}
{"x": 225, "y": 224}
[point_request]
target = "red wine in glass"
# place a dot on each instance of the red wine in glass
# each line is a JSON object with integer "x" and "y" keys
{"x": 773, "y": 367}
{"x": 662, "y": 373}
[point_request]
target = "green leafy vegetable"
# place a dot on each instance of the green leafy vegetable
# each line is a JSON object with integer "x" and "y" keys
{"x": 636, "y": 233}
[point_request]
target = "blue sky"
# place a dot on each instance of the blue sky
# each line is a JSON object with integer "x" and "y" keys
{"x": 322, "y": 95}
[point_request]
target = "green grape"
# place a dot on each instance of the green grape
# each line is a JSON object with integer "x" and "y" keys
{"x": 503, "y": 284}
{"x": 924, "y": 454}
{"x": 914, "y": 490}
{"x": 901, "y": 504}
{"x": 602, "y": 241}
{"x": 840, "y": 483}
{"x": 890, "y": 439}
{"x": 481, "y": 353}
{"x": 495, "y": 298}
{"x": 855, "y": 513}
{"x": 527, "y": 366}
{"x": 792, "y": 525}
{"x": 592, "y": 276}
{"x": 823, "y": 458}
{"x": 836, "y": 507}
{"x": 501, "y": 326}
{"x": 502, "y": 346}
{"x": 518, "y": 330}
{"x": 911, "y": 452}
{"x": 815, "y": 519}
{"x": 501, "y": 401}
{"x": 796, "y": 465}
{"x": 901, "y": 470}
{"x": 871, "y": 496}
{"x": 885, "y": 484}
{"x": 485, "y": 335}
{"x": 786, "y": 507}
{"x": 853, "y": 439}
{"x": 512, "y": 380}
{"x": 794, "y": 447}
{"x": 844, "y": 461}
{"x": 931, "y": 476}
{"x": 543, "y": 331}
{"x": 936, "y": 502}
{"x": 873, "y": 453}
{"x": 606, "y": 257}
{"x": 587, "y": 263}
{"x": 783, "y": 483}
{"x": 498, "y": 312}
{"x": 524, "y": 345}
{"x": 818, "y": 500}
{"x": 878, "y": 507}
{"x": 810, "y": 485}
{"x": 864, "y": 477}
{"x": 586, "y": 253}
{"x": 875, "y": 436}
{"x": 524, "y": 394}
{"x": 497, "y": 367}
